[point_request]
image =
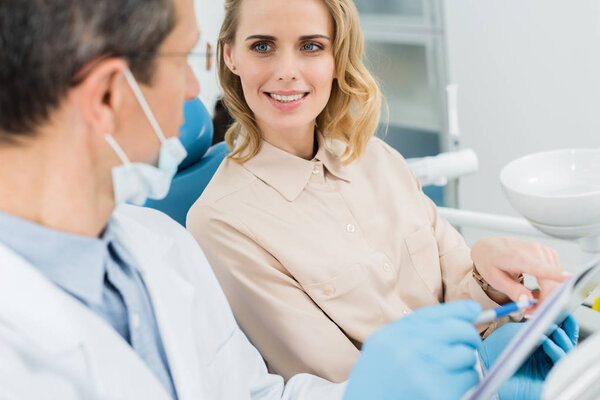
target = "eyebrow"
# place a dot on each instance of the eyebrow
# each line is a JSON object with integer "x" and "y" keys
{"x": 273, "y": 38}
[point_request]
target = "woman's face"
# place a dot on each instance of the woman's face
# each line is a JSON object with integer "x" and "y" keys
{"x": 283, "y": 55}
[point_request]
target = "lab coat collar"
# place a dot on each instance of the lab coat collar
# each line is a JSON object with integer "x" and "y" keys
{"x": 65, "y": 332}
{"x": 74, "y": 262}
{"x": 289, "y": 174}
{"x": 25, "y": 309}
{"x": 71, "y": 325}
{"x": 172, "y": 299}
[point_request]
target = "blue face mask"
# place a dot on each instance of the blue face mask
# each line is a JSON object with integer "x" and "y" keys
{"x": 135, "y": 182}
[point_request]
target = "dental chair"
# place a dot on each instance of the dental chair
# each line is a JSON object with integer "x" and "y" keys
{"x": 197, "y": 168}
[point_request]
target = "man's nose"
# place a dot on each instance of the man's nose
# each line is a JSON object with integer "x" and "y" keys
{"x": 192, "y": 86}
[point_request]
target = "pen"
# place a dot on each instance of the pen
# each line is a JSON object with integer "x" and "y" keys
{"x": 498, "y": 312}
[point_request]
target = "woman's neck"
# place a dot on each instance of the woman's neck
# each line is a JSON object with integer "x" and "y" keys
{"x": 299, "y": 142}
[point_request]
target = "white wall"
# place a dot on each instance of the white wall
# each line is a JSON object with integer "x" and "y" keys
{"x": 529, "y": 78}
{"x": 209, "y": 14}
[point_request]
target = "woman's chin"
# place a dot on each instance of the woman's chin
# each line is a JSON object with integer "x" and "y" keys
{"x": 291, "y": 125}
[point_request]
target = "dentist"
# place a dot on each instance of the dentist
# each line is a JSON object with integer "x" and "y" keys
{"x": 103, "y": 300}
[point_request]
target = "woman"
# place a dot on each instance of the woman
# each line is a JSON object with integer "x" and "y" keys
{"x": 317, "y": 231}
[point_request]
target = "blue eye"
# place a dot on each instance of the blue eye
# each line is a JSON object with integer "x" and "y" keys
{"x": 262, "y": 47}
{"x": 311, "y": 47}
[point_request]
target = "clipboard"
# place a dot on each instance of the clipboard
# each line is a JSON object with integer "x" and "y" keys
{"x": 564, "y": 300}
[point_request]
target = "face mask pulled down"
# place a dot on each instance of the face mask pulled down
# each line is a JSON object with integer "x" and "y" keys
{"x": 135, "y": 182}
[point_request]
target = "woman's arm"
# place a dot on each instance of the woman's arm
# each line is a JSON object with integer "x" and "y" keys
{"x": 453, "y": 254}
{"x": 456, "y": 264}
{"x": 500, "y": 260}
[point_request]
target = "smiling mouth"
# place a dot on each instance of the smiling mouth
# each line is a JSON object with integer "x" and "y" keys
{"x": 287, "y": 99}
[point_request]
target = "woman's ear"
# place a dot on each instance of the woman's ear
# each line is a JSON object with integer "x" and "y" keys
{"x": 228, "y": 57}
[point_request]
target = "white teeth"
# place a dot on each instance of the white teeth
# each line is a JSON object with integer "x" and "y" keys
{"x": 286, "y": 99}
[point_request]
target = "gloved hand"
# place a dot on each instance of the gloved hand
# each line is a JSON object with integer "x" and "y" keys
{"x": 429, "y": 354}
{"x": 527, "y": 382}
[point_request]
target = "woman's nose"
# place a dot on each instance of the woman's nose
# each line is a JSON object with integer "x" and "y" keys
{"x": 287, "y": 67}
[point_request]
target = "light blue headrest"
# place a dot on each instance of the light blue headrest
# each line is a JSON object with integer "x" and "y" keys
{"x": 196, "y": 132}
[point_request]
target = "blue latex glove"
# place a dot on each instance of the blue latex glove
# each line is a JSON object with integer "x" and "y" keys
{"x": 429, "y": 354}
{"x": 527, "y": 382}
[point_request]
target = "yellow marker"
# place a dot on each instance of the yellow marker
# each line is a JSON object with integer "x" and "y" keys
{"x": 596, "y": 305}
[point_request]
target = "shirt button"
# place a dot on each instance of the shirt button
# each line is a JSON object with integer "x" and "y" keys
{"x": 135, "y": 321}
{"x": 386, "y": 267}
{"x": 406, "y": 311}
{"x": 350, "y": 228}
{"x": 316, "y": 171}
{"x": 329, "y": 291}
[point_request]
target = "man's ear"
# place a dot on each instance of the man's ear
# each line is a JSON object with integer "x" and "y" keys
{"x": 228, "y": 57}
{"x": 101, "y": 94}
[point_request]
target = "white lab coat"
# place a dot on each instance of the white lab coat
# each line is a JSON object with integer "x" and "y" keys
{"x": 53, "y": 347}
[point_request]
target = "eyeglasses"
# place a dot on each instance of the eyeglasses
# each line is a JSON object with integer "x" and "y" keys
{"x": 193, "y": 57}
{"x": 192, "y": 60}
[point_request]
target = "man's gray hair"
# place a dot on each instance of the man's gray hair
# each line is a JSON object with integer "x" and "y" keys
{"x": 46, "y": 46}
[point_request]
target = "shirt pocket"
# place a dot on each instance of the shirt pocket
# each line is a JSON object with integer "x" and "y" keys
{"x": 349, "y": 300}
{"x": 425, "y": 259}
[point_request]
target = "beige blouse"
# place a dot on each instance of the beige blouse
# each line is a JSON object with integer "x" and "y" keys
{"x": 314, "y": 256}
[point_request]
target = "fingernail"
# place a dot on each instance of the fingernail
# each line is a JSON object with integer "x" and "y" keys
{"x": 524, "y": 298}
{"x": 567, "y": 274}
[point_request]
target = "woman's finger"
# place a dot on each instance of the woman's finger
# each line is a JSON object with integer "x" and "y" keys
{"x": 547, "y": 286}
{"x": 544, "y": 270}
{"x": 555, "y": 258}
{"x": 504, "y": 283}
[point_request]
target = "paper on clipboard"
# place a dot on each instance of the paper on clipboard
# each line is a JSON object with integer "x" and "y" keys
{"x": 565, "y": 299}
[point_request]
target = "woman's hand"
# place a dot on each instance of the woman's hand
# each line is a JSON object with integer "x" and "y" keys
{"x": 501, "y": 259}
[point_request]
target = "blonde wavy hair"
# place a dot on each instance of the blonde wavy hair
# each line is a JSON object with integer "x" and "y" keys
{"x": 353, "y": 110}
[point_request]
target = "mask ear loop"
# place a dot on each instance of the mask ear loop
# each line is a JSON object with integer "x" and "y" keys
{"x": 120, "y": 153}
{"x": 142, "y": 101}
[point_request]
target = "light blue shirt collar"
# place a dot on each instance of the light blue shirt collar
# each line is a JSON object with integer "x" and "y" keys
{"x": 76, "y": 263}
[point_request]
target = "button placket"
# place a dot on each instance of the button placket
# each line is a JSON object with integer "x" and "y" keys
{"x": 318, "y": 173}
{"x": 317, "y": 168}
{"x": 348, "y": 221}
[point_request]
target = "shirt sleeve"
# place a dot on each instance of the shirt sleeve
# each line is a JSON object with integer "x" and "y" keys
{"x": 455, "y": 261}
{"x": 457, "y": 267}
{"x": 255, "y": 283}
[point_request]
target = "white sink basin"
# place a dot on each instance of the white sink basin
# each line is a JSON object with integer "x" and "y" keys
{"x": 557, "y": 190}
{"x": 568, "y": 232}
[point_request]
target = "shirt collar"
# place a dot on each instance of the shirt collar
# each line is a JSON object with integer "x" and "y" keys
{"x": 76, "y": 263}
{"x": 289, "y": 174}
{"x": 330, "y": 154}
